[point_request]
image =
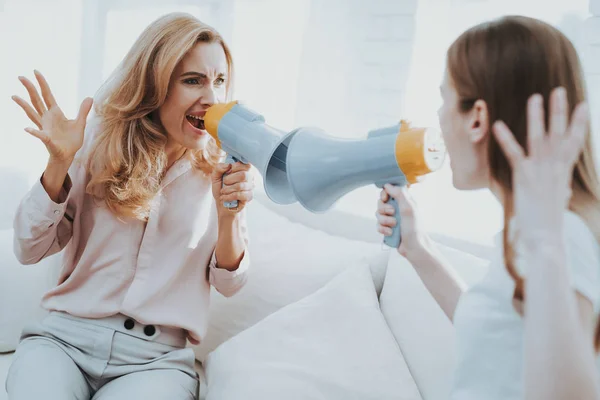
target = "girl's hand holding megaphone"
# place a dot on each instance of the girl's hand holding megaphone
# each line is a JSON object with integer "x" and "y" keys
{"x": 414, "y": 238}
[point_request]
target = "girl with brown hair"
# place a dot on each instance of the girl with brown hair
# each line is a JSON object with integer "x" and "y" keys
{"x": 514, "y": 120}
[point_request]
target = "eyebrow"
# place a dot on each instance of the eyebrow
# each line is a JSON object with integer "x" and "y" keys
{"x": 201, "y": 75}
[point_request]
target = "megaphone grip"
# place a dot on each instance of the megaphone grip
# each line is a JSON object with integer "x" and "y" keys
{"x": 229, "y": 159}
{"x": 395, "y": 238}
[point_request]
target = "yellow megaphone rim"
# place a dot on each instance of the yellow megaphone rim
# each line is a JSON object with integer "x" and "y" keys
{"x": 213, "y": 116}
{"x": 410, "y": 151}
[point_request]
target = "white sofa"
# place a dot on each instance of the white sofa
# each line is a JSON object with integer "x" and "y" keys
{"x": 328, "y": 313}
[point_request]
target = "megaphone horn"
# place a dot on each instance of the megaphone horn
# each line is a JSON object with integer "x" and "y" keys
{"x": 245, "y": 137}
{"x": 322, "y": 169}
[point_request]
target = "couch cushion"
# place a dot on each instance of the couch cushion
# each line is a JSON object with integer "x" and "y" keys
{"x": 288, "y": 262}
{"x": 5, "y": 361}
{"x": 423, "y": 332}
{"x": 333, "y": 344}
{"x": 21, "y": 289}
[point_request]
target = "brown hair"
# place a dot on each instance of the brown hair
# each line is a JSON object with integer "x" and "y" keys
{"x": 503, "y": 63}
{"x": 127, "y": 159}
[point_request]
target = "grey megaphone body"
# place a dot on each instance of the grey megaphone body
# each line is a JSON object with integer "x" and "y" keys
{"x": 316, "y": 169}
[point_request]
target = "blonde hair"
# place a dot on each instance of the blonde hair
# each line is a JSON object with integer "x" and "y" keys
{"x": 127, "y": 159}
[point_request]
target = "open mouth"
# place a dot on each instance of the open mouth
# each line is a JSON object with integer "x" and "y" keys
{"x": 196, "y": 122}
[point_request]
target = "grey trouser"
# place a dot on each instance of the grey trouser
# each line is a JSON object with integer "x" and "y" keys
{"x": 66, "y": 357}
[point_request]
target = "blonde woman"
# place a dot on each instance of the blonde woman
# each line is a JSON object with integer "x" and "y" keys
{"x": 526, "y": 330}
{"x": 135, "y": 200}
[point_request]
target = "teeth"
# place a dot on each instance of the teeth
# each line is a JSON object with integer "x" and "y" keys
{"x": 193, "y": 116}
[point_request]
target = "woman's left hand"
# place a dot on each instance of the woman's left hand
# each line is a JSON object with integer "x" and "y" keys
{"x": 542, "y": 177}
{"x": 238, "y": 185}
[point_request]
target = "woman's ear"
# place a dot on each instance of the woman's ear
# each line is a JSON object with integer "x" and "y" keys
{"x": 478, "y": 122}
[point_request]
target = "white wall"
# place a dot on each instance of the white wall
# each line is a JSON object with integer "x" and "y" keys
{"x": 355, "y": 67}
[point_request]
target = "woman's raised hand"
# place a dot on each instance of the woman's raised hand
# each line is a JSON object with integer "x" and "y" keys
{"x": 63, "y": 137}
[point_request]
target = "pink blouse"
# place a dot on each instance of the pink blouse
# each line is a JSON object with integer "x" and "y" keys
{"x": 157, "y": 272}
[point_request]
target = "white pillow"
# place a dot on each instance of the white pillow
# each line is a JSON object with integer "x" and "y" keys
{"x": 421, "y": 328}
{"x": 333, "y": 344}
{"x": 288, "y": 262}
{"x": 21, "y": 289}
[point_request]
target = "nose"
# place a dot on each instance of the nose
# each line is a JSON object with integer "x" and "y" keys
{"x": 209, "y": 97}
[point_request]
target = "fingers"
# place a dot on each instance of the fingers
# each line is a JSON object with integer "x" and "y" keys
{"x": 233, "y": 173}
{"x": 400, "y": 193}
{"x": 84, "y": 110}
{"x": 396, "y": 192}
{"x": 237, "y": 177}
{"x": 511, "y": 148}
{"x": 239, "y": 166}
{"x": 219, "y": 170}
{"x": 384, "y": 208}
{"x": 559, "y": 116}
{"x": 384, "y": 230}
{"x": 244, "y": 196}
{"x": 46, "y": 92}
{"x": 535, "y": 124}
{"x": 31, "y": 113}
{"x": 38, "y": 134}
{"x": 222, "y": 167}
{"x": 577, "y": 132}
{"x": 237, "y": 187}
{"x": 406, "y": 205}
{"x": 36, "y": 100}
{"x": 385, "y": 220}
{"x": 384, "y": 196}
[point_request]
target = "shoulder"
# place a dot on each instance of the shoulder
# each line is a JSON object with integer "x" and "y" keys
{"x": 583, "y": 256}
{"x": 576, "y": 227}
{"x": 581, "y": 241}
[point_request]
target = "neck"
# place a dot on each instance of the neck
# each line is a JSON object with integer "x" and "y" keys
{"x": 174, "y": 153}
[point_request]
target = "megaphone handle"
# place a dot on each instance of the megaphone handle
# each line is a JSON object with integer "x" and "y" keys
{"x": 395, "y": 238}
{"x": 229, "y": 159}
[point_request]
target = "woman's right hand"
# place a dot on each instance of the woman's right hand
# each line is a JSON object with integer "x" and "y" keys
{"x": 62, "y": 137}
{"x": 413, "y": 236}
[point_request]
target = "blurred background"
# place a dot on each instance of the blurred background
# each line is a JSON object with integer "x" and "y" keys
{"x": 346, "y": 66}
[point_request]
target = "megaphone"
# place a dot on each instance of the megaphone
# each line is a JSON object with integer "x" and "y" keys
{"x": 309, "y": 166}
{"x": 245, "y": 137}
{"x": 322, "y": 168}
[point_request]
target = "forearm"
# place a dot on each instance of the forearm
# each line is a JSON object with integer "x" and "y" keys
{"x": 558, "y": 349}
{"x": 231, "y": 243}
{"x": 40, "y": 226}
{"x": 54, "y": 177}
{"x": 438, "y": 276}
